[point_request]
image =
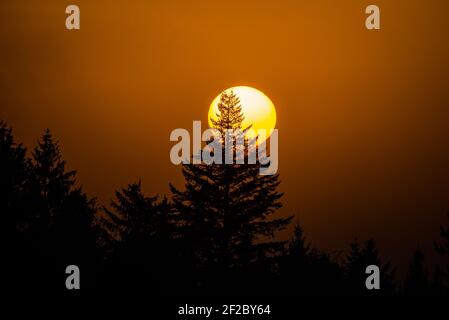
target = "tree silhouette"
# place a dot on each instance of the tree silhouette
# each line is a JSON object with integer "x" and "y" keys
{"x": 64, "y": 222}
{"x": 442, "y": 246}
{"x": 307, "y": 271}
{"x": 16, "y": 209}
{"x": 417, "y": 282}
{"x": 14, "y": 172}
{"x": 214, "y": 237}
{"x": 225, "y": 211}
{"x": 298, "y": 251}
{"x": 143, "y": 237}
{"x": 295, "y": 266}
{"x": 47, "y": 216}
{"x": 356, "y": 261}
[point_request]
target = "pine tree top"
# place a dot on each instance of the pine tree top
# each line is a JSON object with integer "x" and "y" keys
{"x": 230, "y": 115}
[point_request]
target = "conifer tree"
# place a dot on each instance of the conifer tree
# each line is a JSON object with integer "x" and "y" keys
{"x": 143, "y": 233}
{"x": 65, "y": 233}
{"x": 225, "y": 211}
{"x": 442, "y": 246}
{"x": 296, "y": 262}
{"x": 298, "y": 247}
{"x": 17, "y": 209}
{"x": 417, "y": 281}
{"x": 55, "y": 183}
{"x": 309, "y": 272}
{"x": 358, "y": 258}
{"x": 14, "y": 172}
{"x": 139, "y": 218}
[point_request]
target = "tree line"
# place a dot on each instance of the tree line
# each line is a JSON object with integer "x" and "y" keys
{"x": 215, "y": 237}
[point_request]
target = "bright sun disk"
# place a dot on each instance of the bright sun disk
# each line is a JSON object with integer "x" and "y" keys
{"x": 257, "y": 109}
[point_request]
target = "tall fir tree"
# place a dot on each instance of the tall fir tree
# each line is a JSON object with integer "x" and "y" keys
{"x": 65, "y": 231}
{"x": 225, "y": 212}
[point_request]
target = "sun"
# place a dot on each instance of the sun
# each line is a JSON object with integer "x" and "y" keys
{"x": 257, "y": 109}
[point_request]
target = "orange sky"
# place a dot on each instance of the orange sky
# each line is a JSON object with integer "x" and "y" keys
{"x": 362, "y": 115}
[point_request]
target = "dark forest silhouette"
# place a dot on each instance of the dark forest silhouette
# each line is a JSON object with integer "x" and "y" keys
{"x": 215, "y": 237}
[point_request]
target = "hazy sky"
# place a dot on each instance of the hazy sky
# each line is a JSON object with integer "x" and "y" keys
{"x": 362, "y": 115}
